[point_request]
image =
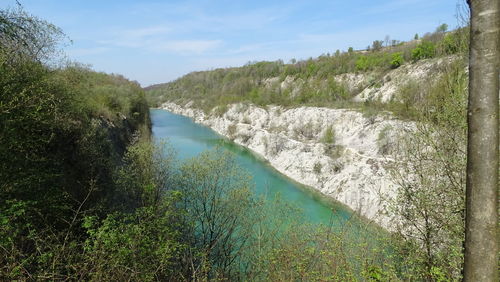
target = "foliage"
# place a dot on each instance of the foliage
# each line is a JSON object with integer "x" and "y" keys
{"x": 26, "y": 37}
{"x": 397, "y": 60}
{"x": 329, "y": 136}
{"x": 384, "y": 143}
{"x": 145, "y": 176}
{"x": 317, "y": 168}
{"x": 143, "y": 245}
{"x": 424, "y": 50}
{"x": 57, "y": 153}
{"x": 454, "y": 42}
{"x": 442, "y": 28}
{"x": 314, "y": 82}
{"x": 377, "y": 45}
{"x": 84, "y": 195}
{"x": 431, "y": 170}
{"x": 217, "y": 200}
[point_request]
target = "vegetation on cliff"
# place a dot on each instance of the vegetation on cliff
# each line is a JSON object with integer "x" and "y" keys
{"x": 63, "y": 134}
{"x": 323, "y": 81}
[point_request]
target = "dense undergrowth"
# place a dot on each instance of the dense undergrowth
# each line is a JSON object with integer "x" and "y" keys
{"x": 85, "y": 195}
{"x": 63, "y": 134}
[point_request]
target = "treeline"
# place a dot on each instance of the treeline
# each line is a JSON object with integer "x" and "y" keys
{"x": 307, "y": 82}
{"x": 63, "y": 134}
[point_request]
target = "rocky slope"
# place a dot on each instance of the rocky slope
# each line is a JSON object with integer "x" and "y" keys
{"x": 421, "y": 72}
{"x": 339, "y": 152}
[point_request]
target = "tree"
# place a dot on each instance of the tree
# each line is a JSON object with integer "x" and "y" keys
{"x": 442, "y": 28}
{"x": 416, "y": 36}
{"x": 24, "y": 36}
{"x": 424, "y": 50}
{"x": 430, "y": 169}
{"x": 387, "y": 40}
{"x": 218, "y": 201}
{"x": 397, "y": 60}
{"x": 377, "y": 45}
{"x": 481, "y": 245}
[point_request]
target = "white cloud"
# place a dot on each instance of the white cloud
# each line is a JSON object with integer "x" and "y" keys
{"x": 185, "y": 46}
{"x": 135, "y": 38}
{"x": 159, "y": 39}
{"x": 250, "y": 48}
{"x": 79, "y": 52}
{"x": 145, "y": 32}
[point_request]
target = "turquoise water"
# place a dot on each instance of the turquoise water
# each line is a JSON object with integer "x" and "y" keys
{"x": 189, "y": 139}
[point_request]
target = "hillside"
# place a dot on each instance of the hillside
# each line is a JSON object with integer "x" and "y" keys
{"x": 280, "y": 111}
{"x": 339, "y": 80}
{"x": 64, "y": 133}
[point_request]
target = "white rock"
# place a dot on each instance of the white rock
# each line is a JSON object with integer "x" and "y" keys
{"x": 421, "y": 72}
{"x": 352, "y": 173}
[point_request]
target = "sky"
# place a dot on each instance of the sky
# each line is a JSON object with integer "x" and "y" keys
{"x": 152, "y": 41}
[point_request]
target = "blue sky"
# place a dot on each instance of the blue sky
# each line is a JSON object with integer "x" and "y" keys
{"x": 158, "y": 41}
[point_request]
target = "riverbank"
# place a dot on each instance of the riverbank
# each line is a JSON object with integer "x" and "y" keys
{"x": 341, "y": 153}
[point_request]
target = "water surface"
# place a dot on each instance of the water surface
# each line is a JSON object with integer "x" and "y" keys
{"x": 190, "y": 139}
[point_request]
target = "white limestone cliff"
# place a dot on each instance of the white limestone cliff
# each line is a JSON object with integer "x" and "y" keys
{"x": 349, "y": 166}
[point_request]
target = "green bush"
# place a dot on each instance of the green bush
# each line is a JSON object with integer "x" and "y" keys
{"x": 362, "y": 63}
{"x": 144, "y": 245}
{"x": 63, "y": 133}
{"x": 450, "y": 44}
{"x": 397, "y": 60}
{"x": 424, "y": 50}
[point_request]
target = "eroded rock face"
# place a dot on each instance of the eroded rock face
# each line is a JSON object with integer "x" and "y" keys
{"x": 421, "y": 72}
{"x": 347, "y": 163}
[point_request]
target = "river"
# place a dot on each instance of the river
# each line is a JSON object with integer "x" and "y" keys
{"x": 189, "y": 139}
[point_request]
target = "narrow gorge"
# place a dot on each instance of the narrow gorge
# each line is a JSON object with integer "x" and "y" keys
{"x": 344, "y": 153}
{"x": 338, "y": 152}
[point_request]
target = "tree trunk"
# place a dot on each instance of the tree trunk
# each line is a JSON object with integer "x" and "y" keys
{"x": 481, "y": 246}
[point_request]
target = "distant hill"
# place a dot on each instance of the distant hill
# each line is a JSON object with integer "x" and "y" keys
{"x": 332, "y": 80}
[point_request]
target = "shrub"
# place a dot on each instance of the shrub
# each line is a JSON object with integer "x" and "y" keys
{"x": 424, "y": 50}
{"x": 383, "y": 140}
{"x": 397, "y": 60}
{"x": 335, "y": 151}
{"x": 231, "y": 131}
{"x": 317, "y": 168}
{"x": 377, "y": 45}
{"x": 218, "y": 198}
{"x": 144, "y": 245}
{"x": 449, "y": 44}
{"x": 362, "y": 63}
{"x": 329, "y": 136}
